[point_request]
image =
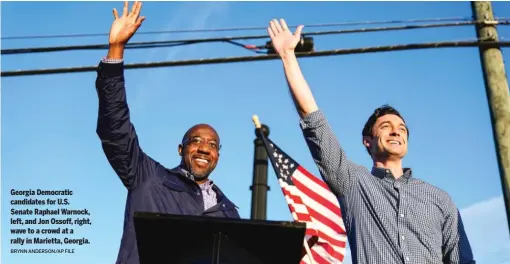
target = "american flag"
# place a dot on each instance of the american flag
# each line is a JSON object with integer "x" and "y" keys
{"x": 310, "y": 201}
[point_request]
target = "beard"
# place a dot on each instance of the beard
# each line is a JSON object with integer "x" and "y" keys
{"x": 198, "y": 174}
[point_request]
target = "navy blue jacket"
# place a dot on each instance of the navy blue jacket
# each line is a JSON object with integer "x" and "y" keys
{"x": 151, "y": 186}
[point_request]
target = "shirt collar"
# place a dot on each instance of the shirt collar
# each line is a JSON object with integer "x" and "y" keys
{"x": 206, "y": 186}
{"x": 383, "y": 173}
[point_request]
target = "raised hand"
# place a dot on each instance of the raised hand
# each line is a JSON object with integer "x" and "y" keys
{"x": 124, "y": 27}
{"x": 284, "y": 42}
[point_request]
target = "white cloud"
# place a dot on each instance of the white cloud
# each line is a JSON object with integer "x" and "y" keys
{"x": 487, "y": 229}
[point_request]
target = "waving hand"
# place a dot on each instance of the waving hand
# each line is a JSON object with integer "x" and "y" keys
{"x": 284, "y": 41}
{"x": 125, "y": 26}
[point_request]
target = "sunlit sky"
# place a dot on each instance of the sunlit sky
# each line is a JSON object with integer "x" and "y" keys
{"x": 49, "y": 121}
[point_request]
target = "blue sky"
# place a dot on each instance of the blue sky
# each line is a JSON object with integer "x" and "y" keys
{"x": 49, "y": 121}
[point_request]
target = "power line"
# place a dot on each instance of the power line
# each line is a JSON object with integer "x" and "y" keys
{"x": 356, "y": 23}
{"x": 169, "y": 43}
{"x": 135, "y": 45}
{"x": 472, "y": 43}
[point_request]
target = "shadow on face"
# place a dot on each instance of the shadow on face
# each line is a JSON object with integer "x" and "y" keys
{"x": 200, "y": 151}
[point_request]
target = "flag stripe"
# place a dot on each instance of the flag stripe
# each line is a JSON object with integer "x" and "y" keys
{"x": 323, "y": 218}
{"x": 329, "y": 227}
{"x": 328, "y": 235}
{"x": 326, "y": 198}
{"x": 312, "y": 202}
{"x": 300, "y": 216}
{"x": 325, "y": 232}
{"x": 317, "y": 200}
{"x": 332, "y": 252}
{"x": 319, "y": 255}
{"x": 317, "y": 181}
{"x": 327, "y": 256}
{"x": 321, "y": 223}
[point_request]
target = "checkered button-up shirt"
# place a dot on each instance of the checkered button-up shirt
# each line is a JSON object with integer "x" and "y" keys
{"x": 208, "y": 194}
{"x": 388, "y": 220}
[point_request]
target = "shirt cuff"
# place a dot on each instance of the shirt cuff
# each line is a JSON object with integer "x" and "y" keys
{"x": 110, "y": 69}
{"x": 112, "y": 61}
{"x": 312, "y": 120}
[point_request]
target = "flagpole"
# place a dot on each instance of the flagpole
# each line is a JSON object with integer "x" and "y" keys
{"x": 258, "y": 125}
{"x": 308, "y": 251}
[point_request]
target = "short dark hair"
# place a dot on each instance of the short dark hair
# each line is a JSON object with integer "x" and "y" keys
{"x": 383, "y": 110}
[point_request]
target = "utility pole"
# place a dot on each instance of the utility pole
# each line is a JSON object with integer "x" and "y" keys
{"x": 496, "y": 86}
{"x": 259, "y": 186}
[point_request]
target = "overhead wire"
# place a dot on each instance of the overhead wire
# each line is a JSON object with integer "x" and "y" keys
{"x": 471, "y": 43}
{"x": 351, "y": 23}
{"x": 232, "y": 40}
{"x": 169, "y": 43}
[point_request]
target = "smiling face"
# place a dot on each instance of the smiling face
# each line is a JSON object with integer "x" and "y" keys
{"x": 389, "y": 137}
{"x": 200, "y": 151}
{"x": 385, "y": 134}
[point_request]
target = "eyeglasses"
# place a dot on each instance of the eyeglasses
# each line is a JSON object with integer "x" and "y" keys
{"x": 198, "y": 141}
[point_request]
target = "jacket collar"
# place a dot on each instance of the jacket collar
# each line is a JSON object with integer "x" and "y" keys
{"x": 187, "y": 178}
{"x": 179, "y": 170}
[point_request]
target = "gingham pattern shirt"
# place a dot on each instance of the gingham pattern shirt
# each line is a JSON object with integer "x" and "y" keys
{"x": 387, "y": 221}
{"x": 208, "y": 194}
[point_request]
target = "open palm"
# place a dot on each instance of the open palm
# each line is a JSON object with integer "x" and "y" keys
{"x": 284, "y": 41}
{"x": 124, "y": 27}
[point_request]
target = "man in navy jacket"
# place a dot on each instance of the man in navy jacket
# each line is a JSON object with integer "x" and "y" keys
{"x": 185, "y": 189}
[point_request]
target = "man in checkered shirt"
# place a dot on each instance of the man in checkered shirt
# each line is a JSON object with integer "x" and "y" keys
{"x": 390, "y": 216}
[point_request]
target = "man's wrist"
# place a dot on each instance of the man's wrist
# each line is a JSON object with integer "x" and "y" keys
{"x": 288, "y": 57}
{"x": 115, "y": 52}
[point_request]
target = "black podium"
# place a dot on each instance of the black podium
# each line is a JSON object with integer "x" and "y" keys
{"x": 179, "y": 239}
